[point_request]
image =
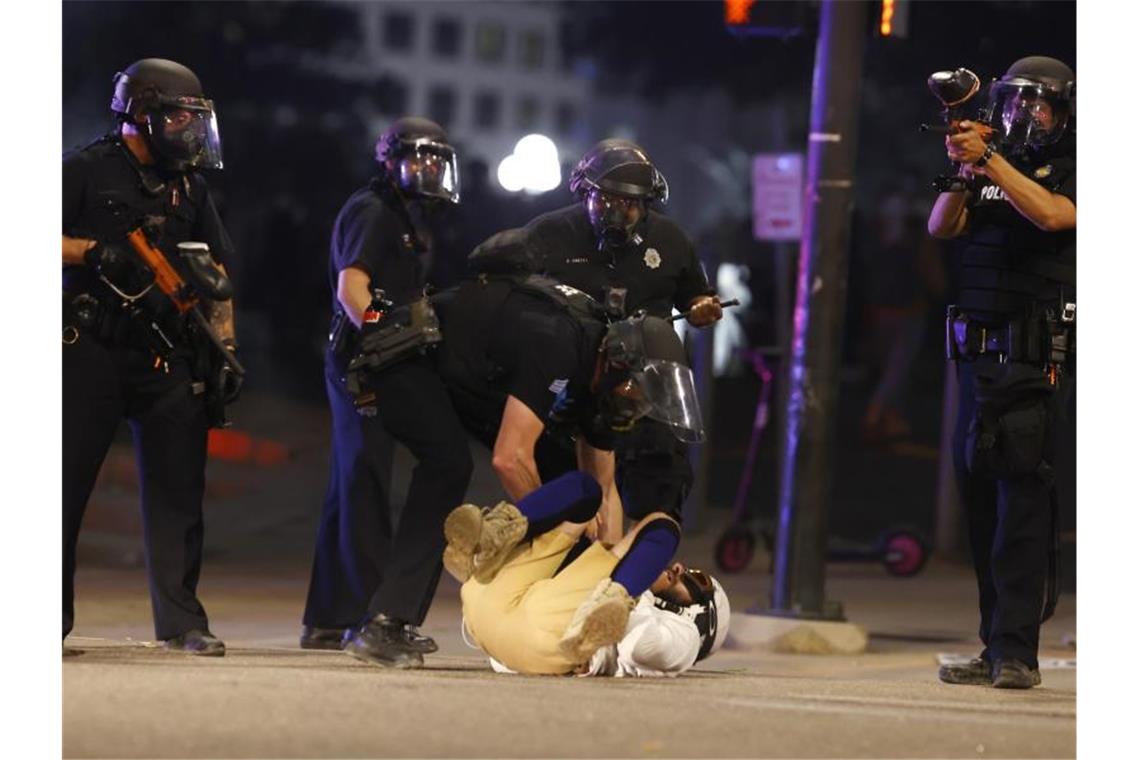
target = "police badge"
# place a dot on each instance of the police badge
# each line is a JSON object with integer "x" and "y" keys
{"x": 1043, "y": 171}
{"x": 652, "y": 258}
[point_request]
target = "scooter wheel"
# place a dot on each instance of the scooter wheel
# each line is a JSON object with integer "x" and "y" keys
{"x": 904, "y": 554}
{"x": 734, "y": 550}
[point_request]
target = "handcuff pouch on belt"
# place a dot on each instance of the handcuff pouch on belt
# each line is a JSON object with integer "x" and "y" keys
{"x": 1045, "y": 336}
{"x": 404, "y": 332}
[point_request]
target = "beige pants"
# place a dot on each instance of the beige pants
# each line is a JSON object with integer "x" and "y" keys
{"x": 519, "y": 617}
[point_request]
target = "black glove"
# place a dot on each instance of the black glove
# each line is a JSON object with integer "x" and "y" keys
{"x": 229, "y": 384}
{"x": 114, "y": 262}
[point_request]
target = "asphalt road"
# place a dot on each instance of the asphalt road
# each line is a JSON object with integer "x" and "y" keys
{"x": 123, "y": 697}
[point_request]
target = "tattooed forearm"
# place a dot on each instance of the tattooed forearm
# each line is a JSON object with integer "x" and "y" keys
{"x": 222, "y": 316}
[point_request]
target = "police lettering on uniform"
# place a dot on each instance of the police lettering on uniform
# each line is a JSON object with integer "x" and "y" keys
{"x": 615, "y": 247}
{"x": 538, "y": 376}
{"x": 1012, "y": 332}
{"x": 129, "y": 351}
{"x": 372, "y": 581}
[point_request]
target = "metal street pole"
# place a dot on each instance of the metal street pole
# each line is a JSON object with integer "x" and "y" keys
{"x": 812, "y": 383}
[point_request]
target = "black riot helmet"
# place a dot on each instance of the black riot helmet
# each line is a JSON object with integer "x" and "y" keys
{"x": 1033, "y": 103}
{"x": 415, "y": 156}
{"x": 645, "y": 373}
{"x": 178, "y": 121}
{"x": 616, "y": 179}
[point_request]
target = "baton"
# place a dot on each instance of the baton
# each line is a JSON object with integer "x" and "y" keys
{"x": 723, "y": 305}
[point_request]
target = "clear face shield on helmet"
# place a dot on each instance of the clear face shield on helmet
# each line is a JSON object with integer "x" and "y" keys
{"x": 428, "y": 169}
{"x": 664, "y": 391}
{"x": 184, "y": 130}
{"x": 1026, "y": 113}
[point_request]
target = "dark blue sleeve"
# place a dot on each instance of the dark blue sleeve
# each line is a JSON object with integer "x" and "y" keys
{"x": 692, "y": 281}
{"x": 363, "y": 237}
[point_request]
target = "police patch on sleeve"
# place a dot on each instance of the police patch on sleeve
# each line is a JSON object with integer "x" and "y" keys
{"x": 652, "y": 258}
{"x": 1043, "y": 171}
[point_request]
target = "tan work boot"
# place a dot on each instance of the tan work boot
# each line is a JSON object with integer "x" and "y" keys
{"x": 479, "y": 541}
{"x": 503, "y": 528}
{"x": 462, "y": 529}
{"x": 598, "y": 622}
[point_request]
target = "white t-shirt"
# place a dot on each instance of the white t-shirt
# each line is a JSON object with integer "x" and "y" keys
{"x": 656, "y": 643}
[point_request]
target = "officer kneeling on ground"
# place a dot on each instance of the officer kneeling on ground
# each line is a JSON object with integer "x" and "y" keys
{"x": 128, "y": 349}
{"x": 538, "y": 375}
{"x": 372, "y": 584}
{"x": 540, "y": 597}
{"x": 617, "y": 248}
{"x": 1012, "y": 333}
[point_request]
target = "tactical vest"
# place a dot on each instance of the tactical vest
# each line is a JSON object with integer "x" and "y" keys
{"x": 1009, "y": 266}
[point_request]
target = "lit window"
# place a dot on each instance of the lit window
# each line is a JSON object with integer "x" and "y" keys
{"x": 531, "y": 48}
{"x": 490, "y": 41}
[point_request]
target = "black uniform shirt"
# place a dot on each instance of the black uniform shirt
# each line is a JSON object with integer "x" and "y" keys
{"x": 534, "y": 351}
{"x": 1008, "y": 262}
{"x": 661, "y": 272}
{"x": 371, "y": 233}
{"x": 104, "y": 198}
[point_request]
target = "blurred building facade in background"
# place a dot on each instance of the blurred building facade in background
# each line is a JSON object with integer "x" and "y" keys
{"x": 303, "y": 89}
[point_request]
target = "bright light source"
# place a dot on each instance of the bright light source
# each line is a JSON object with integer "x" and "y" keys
{"x": 736, "y": 12}
{"x": 886, "y": 19}
{"x": 533, "y": 167}
{"x": 510, "y": 174}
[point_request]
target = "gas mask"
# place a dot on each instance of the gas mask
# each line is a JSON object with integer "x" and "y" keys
{"x": 614, "y": 217}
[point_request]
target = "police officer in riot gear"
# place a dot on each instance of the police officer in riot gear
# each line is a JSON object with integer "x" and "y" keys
{"x": 372, "y": 582}
{"x": 126, "y": 351}
{"x": 616, "y": 247}
{"x": 1012, "y": 334}
{"x": 539, "y": 378}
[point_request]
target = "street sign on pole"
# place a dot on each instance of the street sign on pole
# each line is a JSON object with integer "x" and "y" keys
{"x": 777, "y": 196}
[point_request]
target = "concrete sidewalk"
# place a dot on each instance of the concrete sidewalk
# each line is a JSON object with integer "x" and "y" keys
{"x": 267, "y": 698}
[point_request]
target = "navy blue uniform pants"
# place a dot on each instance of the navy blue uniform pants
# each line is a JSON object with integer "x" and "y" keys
{"x": 102, "y": 386}
{"x": 653, "y": 470}
{"x": 1009, "y": 502}
{"x": 364, "y": 564}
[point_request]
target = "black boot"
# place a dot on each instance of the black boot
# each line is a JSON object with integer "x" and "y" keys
{"x": 976, "y": 672}
{"x": 202, "y": 643}
{"x": 382, "y": 641}
{"x": 417, "y": 641}
{"x": 1015, "y": 674}
{"x": 324, "y": 638}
